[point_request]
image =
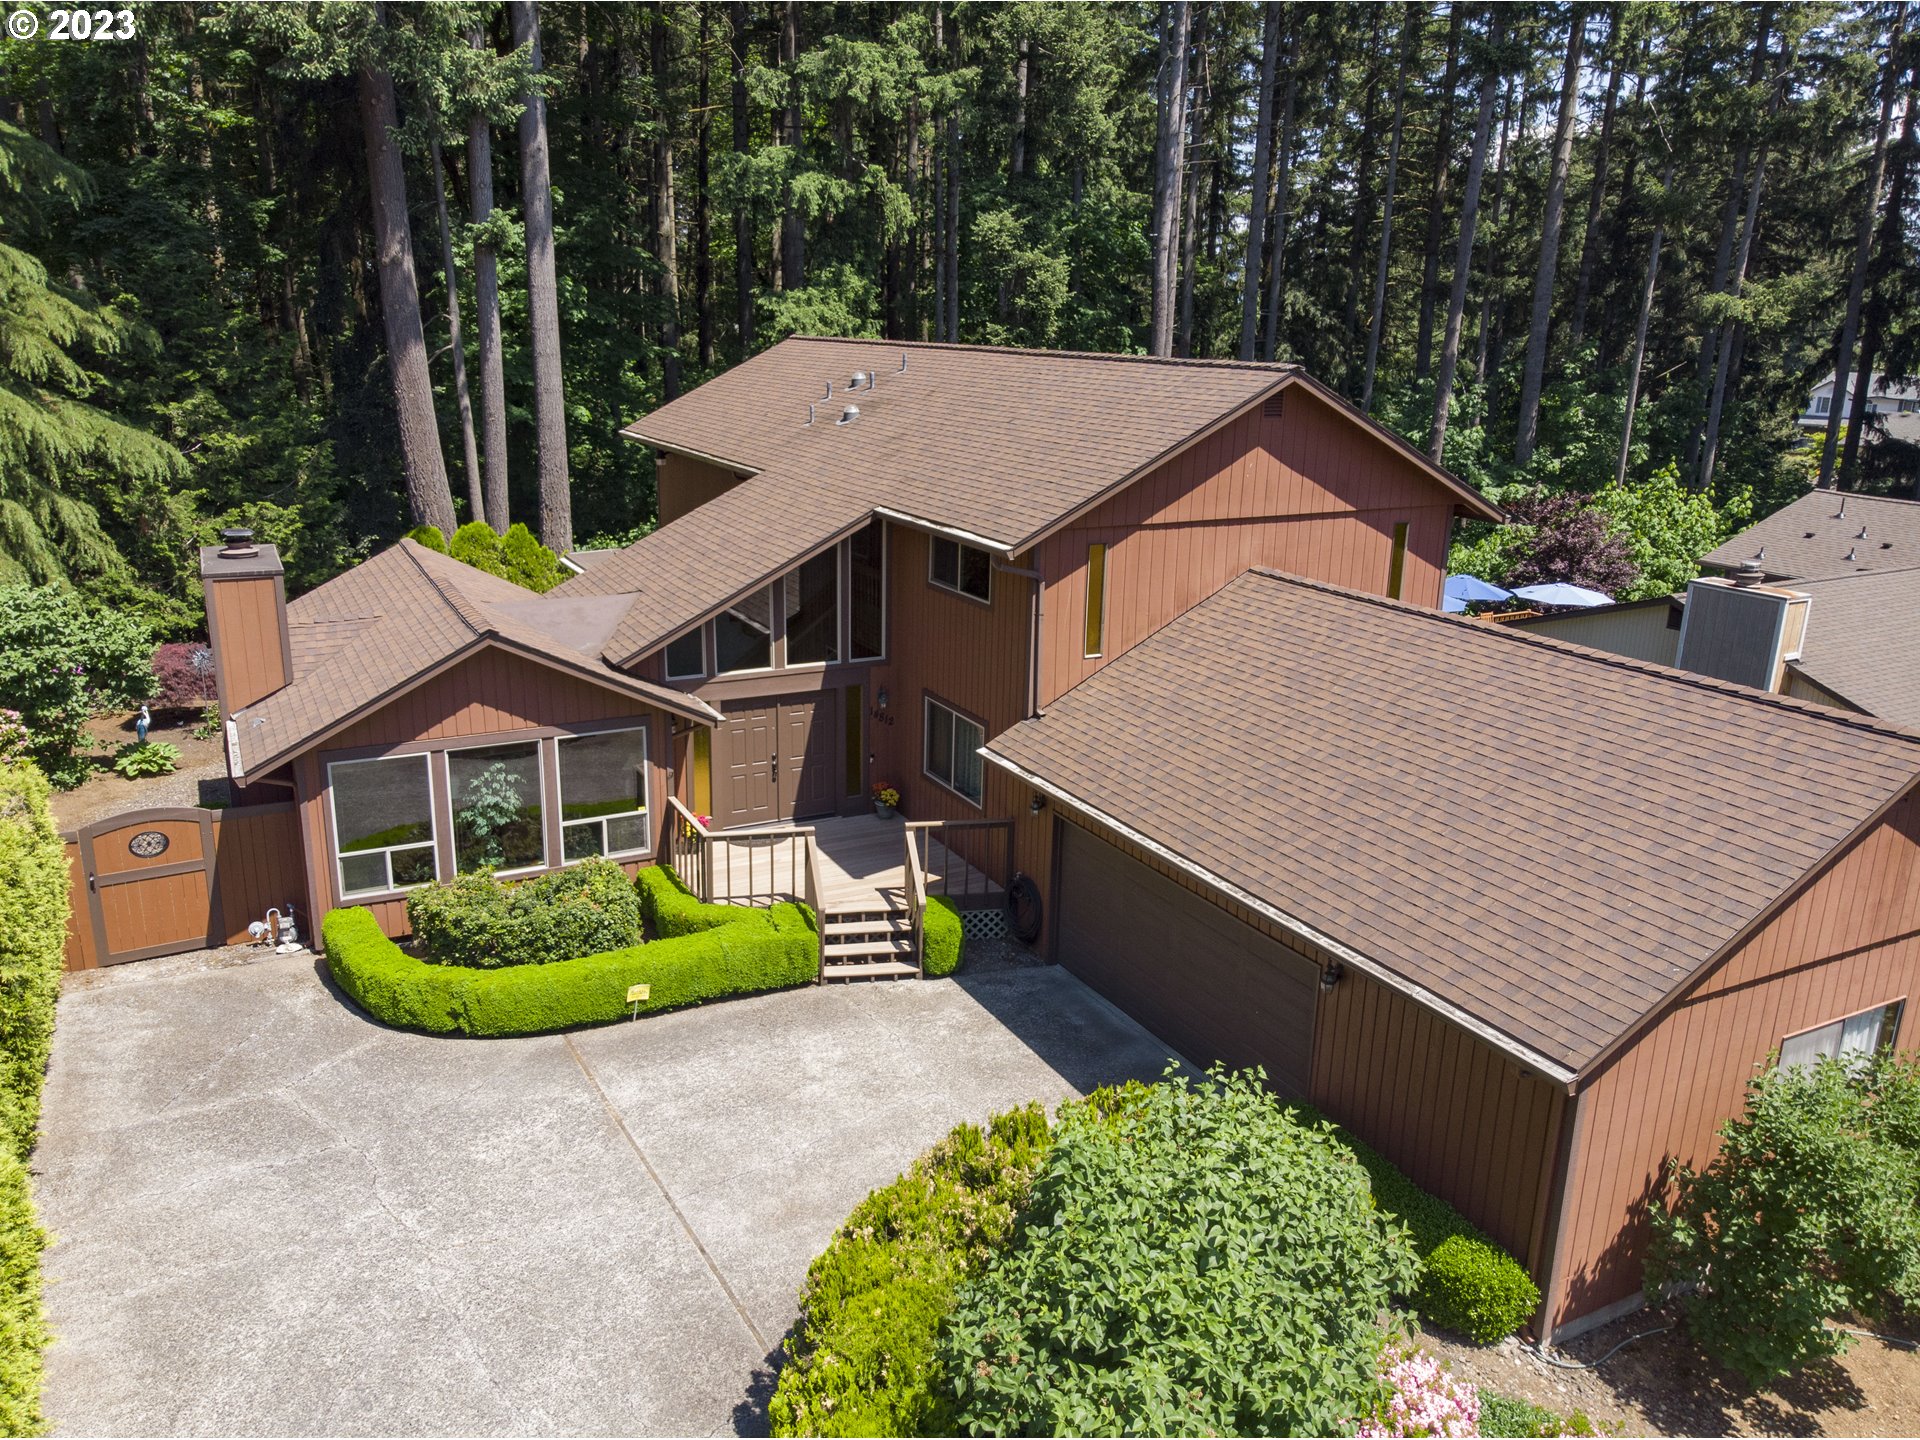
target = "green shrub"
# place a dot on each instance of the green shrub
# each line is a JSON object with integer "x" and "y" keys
{"x": 33, "y": 930}
{"x": 430, "y": 536}
{"x": 1808, "y": 1213}
{"x": 1198, "y": 1261}
{"x": 33, "y": 933}
{"x": 941, "y": 937}
{"x": 60, "y": 659}
{"x": 771, "y": 949}
{"x": 528, "y": 562}
{"x": 1523, "y": 1420}
{"x": 147, "y": 757}
{"x": 476, "y": 920}
{"x": 23, "y": 1324}
{"x": 862, "y": 1354}
{"x": 670, "y": 909}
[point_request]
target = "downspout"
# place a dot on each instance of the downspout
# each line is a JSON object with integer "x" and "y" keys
{"x": 1572, "y": 1132}
{"x": 1033, "y": 637}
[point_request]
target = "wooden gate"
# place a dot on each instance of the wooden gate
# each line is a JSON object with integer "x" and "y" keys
{"x": 158, "y": 882}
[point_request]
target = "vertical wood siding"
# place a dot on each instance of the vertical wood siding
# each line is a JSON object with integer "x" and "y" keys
{"x": 245, "y": 617}
{"x": 1310, "y": 493}
{"x": 683, "y": 483}
{"x": 972, "y": 656}
{"x": 1850, "y": 941}
{"x": 1462, "y": 1120}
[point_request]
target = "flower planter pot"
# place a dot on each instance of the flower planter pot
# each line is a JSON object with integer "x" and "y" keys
{"x": 885, "y": 812}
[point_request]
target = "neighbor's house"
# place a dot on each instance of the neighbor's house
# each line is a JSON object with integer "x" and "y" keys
{"x": 873, "y": 558}
{"x": 1524, "y": 916}
{"x": 1816, "y": 601}
{"x": 1883, "y": 398}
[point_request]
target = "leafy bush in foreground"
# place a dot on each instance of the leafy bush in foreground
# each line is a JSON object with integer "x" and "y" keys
{"x": 1810, "y": 1212}
{"x": 59, "y": 658}
{"x": 1518, "y": 1419}
{"x": 143, "y": 758}
{"x": 862, "y": 1358}
{"x": 586, "y": 909}
{"x": 1197, "y": 1261}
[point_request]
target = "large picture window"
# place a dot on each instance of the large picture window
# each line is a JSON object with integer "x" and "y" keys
{"x": 496, "y": 796}
{"x": 953, "y": 566}
{"x": 603, "y": 794}
{"x": 953, "y": 743}
{"x": 867, "y": 594}
{"x": 1853, "y": 1040}
{"x": 812, "y": 598}
{"x": 743, "y": 635}
{"x": 382, "y": 824}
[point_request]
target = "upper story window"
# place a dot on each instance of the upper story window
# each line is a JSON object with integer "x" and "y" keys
{"x": 811, "y": 595}
{"x": 743, "y": 634}
{"x": 962, "y": 568}
{"x": 867, "y": 593}
{"x": 1822, "y": 404}
{"x": 686, "y": 657}
{"x": 1397, "y": 561}
{"x": 383, "y": 824}
{"x": 1096, "y": 618}
{"x": 496, "y": 794}
{"x": 1852, "y": 1041}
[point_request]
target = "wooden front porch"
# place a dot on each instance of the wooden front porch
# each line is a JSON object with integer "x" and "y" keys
{"x": 867, "y": 880}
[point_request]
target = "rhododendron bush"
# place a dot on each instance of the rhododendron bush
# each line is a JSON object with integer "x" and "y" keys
{"x": 1423, "y": 1398}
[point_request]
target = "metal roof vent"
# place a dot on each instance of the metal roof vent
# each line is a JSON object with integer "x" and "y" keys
{"x": 1851, "y": 555}
{"x": 1749, "y": 573}
{"x": 1841, "y": 513}
{"x": 848, "y": 415}
{"x": 1863, "y": 533}
{"x": 1761, "y": 553}
{"x": 861, "y": 381}
{"x": 237, "y": 544}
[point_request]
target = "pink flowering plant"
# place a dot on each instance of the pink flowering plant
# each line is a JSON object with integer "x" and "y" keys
{"x": 14, "y": 740}
{"x": 1422, "y": 1397}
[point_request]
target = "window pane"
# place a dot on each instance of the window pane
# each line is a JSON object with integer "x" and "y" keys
{"x": 1096, "y": 597}
{"x": 363, "y": 874}
{"x": 868, "y": 599}
{"x": 742, "y": 636}
{"x": 496, "y": 807}
{"x": 1860, "y": 1035}
{"x": 1805, "y": 1049}
{"x": 940, "y": 742}
{"x": 627, "y": 833}
{"x": 976, "y": 572}
{"x": 377, "y": 803}
{"x": 813, "y": 611}
{"x": 967, "y": 741}
{"x": 685, "y": 660}
{"x": 412, "y": 866}
{"x": 581, "y": 842}
{"x": 603, "y": 774}
{"x": 946, "y": 562}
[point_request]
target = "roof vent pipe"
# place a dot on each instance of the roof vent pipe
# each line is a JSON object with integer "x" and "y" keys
{"x": 1850, "y": 553}
{"x": 809, "y": 412}
{"x": 237, "y": 544}
{"x": 1841, "y": 513}
{"x": 861, "y": 379}
{"x": 1749, "y": 573}
{"x": 903, "y": 362}
{"x": 1863, "y": 533}
{"x": 849, "y": 415}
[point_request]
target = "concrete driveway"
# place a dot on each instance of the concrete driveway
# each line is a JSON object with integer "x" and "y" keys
{"x": 273, "y": 1216}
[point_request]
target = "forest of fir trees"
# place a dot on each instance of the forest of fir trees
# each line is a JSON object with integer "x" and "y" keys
{"x": 338, "y": 270}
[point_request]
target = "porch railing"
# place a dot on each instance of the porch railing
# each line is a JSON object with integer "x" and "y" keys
{"x": 816, "y": 891}
{"x": 689, "y": 849}
{"x": 961, "y": 859}
{"x": 917, "y": 907}
{"x": 740, "y": 867}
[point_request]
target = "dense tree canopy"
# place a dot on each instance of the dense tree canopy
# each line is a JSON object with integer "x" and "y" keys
{"x": 1675, "y": 211}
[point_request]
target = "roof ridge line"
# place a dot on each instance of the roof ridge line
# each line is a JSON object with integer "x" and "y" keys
{"x": 1692, "y": 678}
{"x": 1198, "y": 361}
{"x": 1851, "y": 575}
{"x": 464, "y": 609}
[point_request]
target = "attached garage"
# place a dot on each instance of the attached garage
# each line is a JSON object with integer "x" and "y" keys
{"x": 1209, "y": 986}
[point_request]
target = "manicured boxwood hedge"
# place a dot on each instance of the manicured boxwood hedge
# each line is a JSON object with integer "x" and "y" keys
{"x": 33, "y": 929}
{"x": 700, "y": 956}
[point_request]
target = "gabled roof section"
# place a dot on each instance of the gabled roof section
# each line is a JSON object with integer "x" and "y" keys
{"x": 1549, "y": 839}
{"x": 373, "y": 632}
{"x": 1862, "y": 644}
{"x": 1818, "y": 537}
{"x": 997, "y": 445}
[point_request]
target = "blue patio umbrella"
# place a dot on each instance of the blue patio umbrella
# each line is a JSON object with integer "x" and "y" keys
{"x": 1463, "y": 590}
{"x": 1559, "y": 593}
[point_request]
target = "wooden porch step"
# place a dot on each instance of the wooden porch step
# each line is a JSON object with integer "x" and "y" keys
{"x": 837, "y": 949}
{"x": 871, "y": 969}
{"x": 886, "y": 924}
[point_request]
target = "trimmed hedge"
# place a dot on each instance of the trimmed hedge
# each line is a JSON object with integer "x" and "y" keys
{"x": 33, "y": 929}
{"x": 755, "y": 950}
{"x": 476, "y": 920}
{"x": 942, "y": 936}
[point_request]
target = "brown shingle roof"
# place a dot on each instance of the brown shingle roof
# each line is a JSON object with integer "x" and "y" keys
{"x": 997, "y": 444}
{"x": 1862, "y": 644}
{"x": 1811, "y": 538}
{"x": 367, "y": 634}
{"x": 1540, "y": 835}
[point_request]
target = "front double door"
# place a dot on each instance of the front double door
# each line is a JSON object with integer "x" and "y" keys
{"x": 774, "y": 760}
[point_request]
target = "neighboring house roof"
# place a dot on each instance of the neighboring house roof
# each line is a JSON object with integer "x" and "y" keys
{"x": 1549, "y": 840}
{"x": 374, "y": 631}
{"x": 1861, "y": 644}
{"x": 996, "y": 445}
{"x": 1812, "y": 538}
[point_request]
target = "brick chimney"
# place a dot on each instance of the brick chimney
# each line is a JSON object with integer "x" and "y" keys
{"x": 246, "y": 619}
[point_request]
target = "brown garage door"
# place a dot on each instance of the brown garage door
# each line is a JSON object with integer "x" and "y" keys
{"x": 1209, "y": 986}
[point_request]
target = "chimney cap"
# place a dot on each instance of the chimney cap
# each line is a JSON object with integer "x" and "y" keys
{"x": 1748, "y": 573}
{"x": 237, "y": 544}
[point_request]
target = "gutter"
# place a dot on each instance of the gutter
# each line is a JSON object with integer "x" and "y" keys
{"x": 1365, "y": 964}
{"x": 979, "y": 542}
